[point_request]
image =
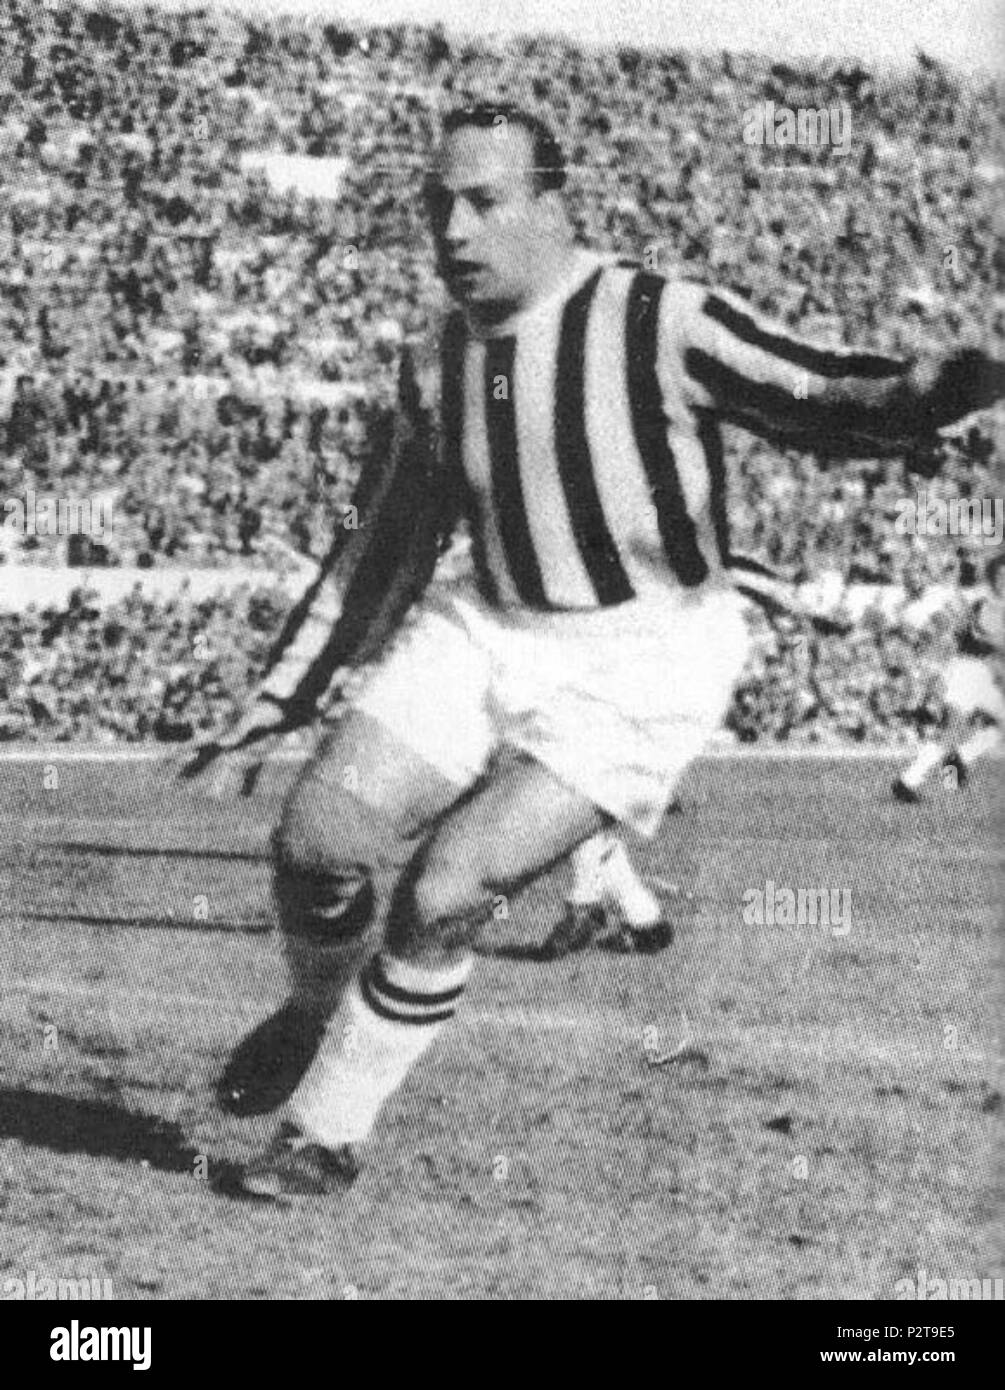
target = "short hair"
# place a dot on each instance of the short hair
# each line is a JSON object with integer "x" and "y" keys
{"x": 548, "y": 158}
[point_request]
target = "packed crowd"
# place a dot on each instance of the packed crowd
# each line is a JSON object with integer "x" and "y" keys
{"x": 134, "y": 670}
{"x": 212, "y": 352}
{"x": 173, "y": 669}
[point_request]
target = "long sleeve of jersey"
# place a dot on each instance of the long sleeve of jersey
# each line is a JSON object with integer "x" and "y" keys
{"x": 728, "y": 360}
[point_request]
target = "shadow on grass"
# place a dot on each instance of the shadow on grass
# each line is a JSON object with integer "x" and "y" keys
{"x": 94, "y": 1127}
{"x": 99, "y": 1129}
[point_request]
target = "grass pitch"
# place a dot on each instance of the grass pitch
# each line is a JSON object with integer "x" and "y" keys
{"x": 829, "y": 1120}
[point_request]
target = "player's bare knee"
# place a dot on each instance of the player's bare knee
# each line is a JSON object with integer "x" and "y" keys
{"x": 323, "y": 870}
{"x": 439, "y": 898}
{"x": 320, "y": 825}
{"x": 440, "y": 904}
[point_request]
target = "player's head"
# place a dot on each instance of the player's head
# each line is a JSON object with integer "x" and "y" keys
{"x": 495, "y": 207}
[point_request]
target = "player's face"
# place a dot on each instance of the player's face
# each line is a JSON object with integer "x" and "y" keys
{"x": 490, "y": 228}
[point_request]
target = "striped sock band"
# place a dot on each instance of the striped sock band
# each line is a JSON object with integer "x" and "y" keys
{"x": 401, "y": 992}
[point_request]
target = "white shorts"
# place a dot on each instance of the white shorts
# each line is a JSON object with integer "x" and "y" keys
{"x": 616, "y": 702}
{"x": 971, "y": 688}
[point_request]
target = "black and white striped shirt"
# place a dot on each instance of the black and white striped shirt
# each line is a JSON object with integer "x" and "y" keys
{"x": 586, "y": 429}
{"x": 582, "y": 439}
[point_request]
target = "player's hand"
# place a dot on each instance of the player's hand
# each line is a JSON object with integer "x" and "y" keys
{"x": 264, "y": 719}
{"x": 948, "y": 389}
{"x": 192, "y": 763}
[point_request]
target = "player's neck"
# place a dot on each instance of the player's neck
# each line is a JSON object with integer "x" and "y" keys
{"x": 559, "y": 268}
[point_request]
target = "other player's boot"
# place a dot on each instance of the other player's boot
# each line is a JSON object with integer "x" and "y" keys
{"x": 580, "y": 925}
{"x": 608, "y": 904}
{"x": 641, "y": 940}
{"x": 904, "y": 793}
{"x": 645, "y": 925}
{"x": 907, "y": 787}
{"x": 294, "y": 1165}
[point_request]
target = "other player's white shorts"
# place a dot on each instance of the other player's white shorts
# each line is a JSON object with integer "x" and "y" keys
{"x": 616, "y": 702}
{"x": 971, "y": 688}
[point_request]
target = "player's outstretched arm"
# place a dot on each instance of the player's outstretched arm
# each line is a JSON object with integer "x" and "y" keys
{"x": 755, "y": 373}
{"x": 379, "y": 563}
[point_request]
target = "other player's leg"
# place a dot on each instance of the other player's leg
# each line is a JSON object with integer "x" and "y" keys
{"x": 907, "y": 787}
{"x": 976, "y": 712}
{"x": 608, "y": 900}
{"x": 967, "y": 746}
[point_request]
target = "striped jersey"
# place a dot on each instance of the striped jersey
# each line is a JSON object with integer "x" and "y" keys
{"x": 582, "y": 440}
{"x": 586, "y": 429}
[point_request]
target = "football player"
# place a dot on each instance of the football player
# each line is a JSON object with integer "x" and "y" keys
{"x": 973, "y": 686}
{"x": 514, "y": 716}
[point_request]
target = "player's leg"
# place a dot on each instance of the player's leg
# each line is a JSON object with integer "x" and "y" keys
{"x": 584, "y": 917}
{"x": 977, "y": 721}
{"x": 417, "y": 735}
{"x": 349, "y": 825}
{"x": 977, "y": 745}
{"x": 970, "y": 737}
{"x": 625, "y": 735}
{"x": 934, "y": 752}
{"x": 908, "y": 784}
{"x": 519, "y": 823}
{"x": 588, "y": 862}
{"x": 348, "y": 828}
{"x": 972, "y": 698}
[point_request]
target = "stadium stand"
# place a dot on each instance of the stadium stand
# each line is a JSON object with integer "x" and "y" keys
{"x": 212, "y": 252}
